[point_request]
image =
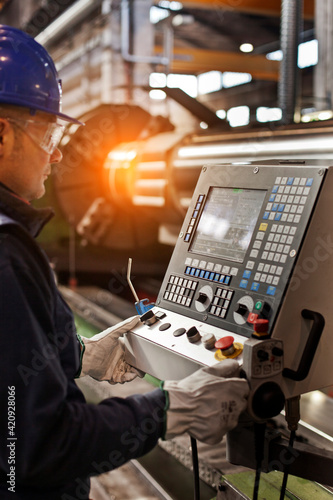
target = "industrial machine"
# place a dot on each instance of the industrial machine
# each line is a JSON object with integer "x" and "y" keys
{"x": 250, "y": 278}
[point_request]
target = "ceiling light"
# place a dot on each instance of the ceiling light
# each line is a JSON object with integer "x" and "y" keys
{"x": 246, "y": 47}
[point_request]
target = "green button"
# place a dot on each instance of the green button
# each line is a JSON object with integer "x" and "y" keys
{"x": 258, "y": 305}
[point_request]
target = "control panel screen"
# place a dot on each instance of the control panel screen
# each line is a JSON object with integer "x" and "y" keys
{"x": 227, "y": 223}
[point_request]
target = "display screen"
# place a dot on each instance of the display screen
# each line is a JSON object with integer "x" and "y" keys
{"x": 227, "y": 223}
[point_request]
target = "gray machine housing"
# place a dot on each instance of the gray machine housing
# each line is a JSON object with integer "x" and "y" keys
{"x": 270, "y": 256}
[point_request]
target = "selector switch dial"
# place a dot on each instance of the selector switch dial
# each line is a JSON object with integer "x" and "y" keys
{"x": 243, "y": 307}
{"x": 204, "y": 298}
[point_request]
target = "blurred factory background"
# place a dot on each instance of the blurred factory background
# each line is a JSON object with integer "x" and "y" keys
{"x": 163, "y": 88}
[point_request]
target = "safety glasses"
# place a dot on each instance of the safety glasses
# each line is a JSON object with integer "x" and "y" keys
{"x": 45, "y": 135}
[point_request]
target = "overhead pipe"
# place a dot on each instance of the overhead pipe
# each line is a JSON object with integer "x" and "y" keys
{"x": 290, "y": 32}
{"x": 125, "y": 41}
{"x": 73, "y": 15}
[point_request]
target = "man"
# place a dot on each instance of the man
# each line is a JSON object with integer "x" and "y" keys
{"x": 51, "y": 439}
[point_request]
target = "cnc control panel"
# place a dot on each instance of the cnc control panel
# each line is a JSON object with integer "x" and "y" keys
{"x": 235, "y": 274}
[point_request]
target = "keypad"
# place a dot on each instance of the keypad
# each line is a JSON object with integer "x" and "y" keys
{"x": 221, "y": 301}
{"x": 180, "y": 290}
{"x": 275, "y": 237}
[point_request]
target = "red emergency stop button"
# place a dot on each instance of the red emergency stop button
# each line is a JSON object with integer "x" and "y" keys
{"x": 226, "y": 344}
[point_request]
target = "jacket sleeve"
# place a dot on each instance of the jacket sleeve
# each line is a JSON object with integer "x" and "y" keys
{"x": 58, "y": 436}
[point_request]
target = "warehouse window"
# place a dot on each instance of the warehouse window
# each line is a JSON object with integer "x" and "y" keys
{"x": 238, "y": 116}
{"x": 264, "y": 114}
{"x": 232, "y": 79}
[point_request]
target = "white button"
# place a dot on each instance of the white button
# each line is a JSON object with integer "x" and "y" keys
{"x": 254, "y": 254}
{"x": 287, "y": 189}
{"x": 278, "y": 180}
{"x": 257, "y": 244}
{"x": 260, "y": 235}
{"x": 269, "y": 279}
{"x": 270, "y": 256}
{"x": 250, "y": 264}
{"x": 277, "y": 257}
{"x": 280, "y": 229}
{"x": 281, "y": 190}
{"x": 274, "y": 228}
{"x": 293, "y": 230}
{"x": 257, "y": 277}
{"x": 300, "y": 190}
{"x": 290, "y": 218}
{"x": 210, "y": 266}
{"x": 266, "y": 268}
{"x": 283, "y": 259}
{"x": 274, "y": 247}
{"x": 263, "y": 278}
{"x": 283, "y": 238}
{"x": 275, "y": 280}
{"x": 271, "y": 216}
{"x": 234, "y": 271}
{"x": 277, "y": 198}
{"x": 293, "y": 190}
{"x": 297, "y": 218}
{"x": 260, "y": 266}
{"x": 293, "y": 209}
{"x": 300, "y": 209}
{"x": 303, "y": 200}
{"x": 297, "y": 199}
{"x": 290, "y": 240}
{"x": 195, "y": 262}
{"x": 284, "y": 180}
{"x": 203, "y": 264}
{"x": 188, "y": 261}
{"x": 273, "y": 269}
{"x": 269, "y": 206}
{"x": 217, "y": 268}
{"x": 279, "y": 270}
{"x": 264, "y": 255}
{"x": 296, "y": 181}
{"x": 287, "y": 208}
{"x": 284, "y": 217}
{"x": 268, "y": 246}
{"x": 286, "y": 249}
{"x": 306, "y": 191}
{"x": 284, "y": 198}
{"x": 280, "y": 248}
{"x": 302, "y": 182}
{"x": 277, "y": 238}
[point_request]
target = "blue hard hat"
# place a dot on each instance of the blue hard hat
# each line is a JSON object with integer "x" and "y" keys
{"x": 28, "y": 76}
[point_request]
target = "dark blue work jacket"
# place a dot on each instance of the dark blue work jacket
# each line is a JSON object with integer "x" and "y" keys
{"x": 51, "y": 440}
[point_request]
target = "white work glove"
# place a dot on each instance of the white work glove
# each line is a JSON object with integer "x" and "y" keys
{"x": 206, "y": 404}
{"x": 103, "y": 357}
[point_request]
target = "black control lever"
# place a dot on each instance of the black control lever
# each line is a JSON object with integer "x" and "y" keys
{"x": 310, "y": 348}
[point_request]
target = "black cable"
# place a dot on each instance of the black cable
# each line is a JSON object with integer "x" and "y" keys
{"x": 259, "y": 442}
{"x": 286, "y": 468}
{"x": 195, "y": 463}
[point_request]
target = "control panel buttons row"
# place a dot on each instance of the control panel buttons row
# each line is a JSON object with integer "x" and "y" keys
{"x": 208, "y": 275}
{"x": 194, "y": 217}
